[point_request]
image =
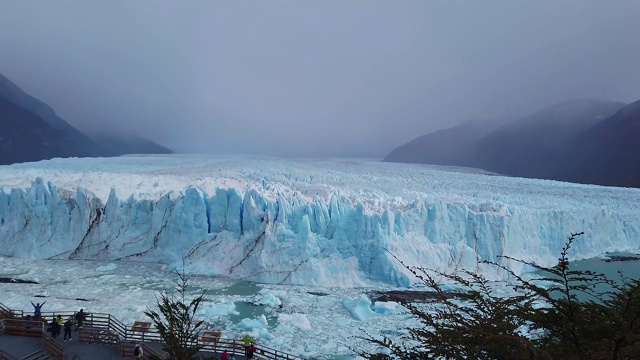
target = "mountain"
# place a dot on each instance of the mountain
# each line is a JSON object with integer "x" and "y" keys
{"x": 450, "y": 146}
{"x": 30, "y": 130}
{"x": 11, "y": 92}
{"x": 525, "y": 146}
{"x": 607, "y": 153}
{"x": 25, "y": 136}
{"x": 587, "y": 140}
{"x": 121, "y": 145}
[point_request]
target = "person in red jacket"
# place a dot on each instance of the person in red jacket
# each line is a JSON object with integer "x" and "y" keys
{"x": 251, "y": 351}
{"x": 224, "y": 356}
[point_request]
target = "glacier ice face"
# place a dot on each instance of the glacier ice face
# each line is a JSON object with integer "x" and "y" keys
{"x": 328, "y": 223}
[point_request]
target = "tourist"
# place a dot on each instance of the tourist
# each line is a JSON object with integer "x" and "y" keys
{"x": 81, "y": 316}
{"x": 224, "y": 356}
{"x": 37, "y": 310}
{"x": 248, "y": 341}
{"x": 57, "y": 326}
{"x": 53, "y": 328}
{"x": 250, "y": 351}
{"x": 67, "y": 328}
{"x": 27, "y": 323}
{"x": 137, "y": 352}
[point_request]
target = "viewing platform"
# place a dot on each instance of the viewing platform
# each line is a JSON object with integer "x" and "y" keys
{"x": 103, "y": 337}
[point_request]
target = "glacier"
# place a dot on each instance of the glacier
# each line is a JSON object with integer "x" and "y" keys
{"x": 342, "y": 223}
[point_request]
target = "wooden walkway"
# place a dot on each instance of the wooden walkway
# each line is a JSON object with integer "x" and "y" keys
{"x": 106, "y": 330}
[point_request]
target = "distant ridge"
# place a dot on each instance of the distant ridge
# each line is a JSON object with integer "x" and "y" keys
{"x": 586, "y": 141}
{"x": 121, "y": 145}
{"x": 450, "y": 146}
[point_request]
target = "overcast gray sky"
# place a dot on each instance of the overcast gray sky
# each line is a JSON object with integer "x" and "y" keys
{"x": 313, "y": 77}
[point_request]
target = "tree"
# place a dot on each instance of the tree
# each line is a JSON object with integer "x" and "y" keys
{"x": 176, "y": 321}
{"x": 542, "y": 319}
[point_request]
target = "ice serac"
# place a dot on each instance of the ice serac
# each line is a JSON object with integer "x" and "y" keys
{"x": 334, "y": 241}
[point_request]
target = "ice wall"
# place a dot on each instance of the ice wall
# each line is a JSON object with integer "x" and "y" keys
{"x": 291, "y": 240}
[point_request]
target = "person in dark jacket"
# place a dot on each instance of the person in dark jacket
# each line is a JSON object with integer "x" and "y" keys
{"x": 67, "y": 328}
{"x": 54, "y": 328}
{"x": 81, "y": 316}
{"x": 137, "y": 352}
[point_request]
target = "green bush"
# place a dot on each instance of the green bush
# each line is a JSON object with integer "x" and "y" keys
{"x": 545, "y": 321}
{"x": 176, "y": 321}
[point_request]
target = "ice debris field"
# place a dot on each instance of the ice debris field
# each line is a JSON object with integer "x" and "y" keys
{"x": 331, "y": 227}
{"x": 311, "y": 322}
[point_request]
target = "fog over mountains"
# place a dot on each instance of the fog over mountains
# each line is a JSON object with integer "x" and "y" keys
{"x": 31, "y": 131}
{"x": 607, "y": 153}
{"x": 585, "y": 141}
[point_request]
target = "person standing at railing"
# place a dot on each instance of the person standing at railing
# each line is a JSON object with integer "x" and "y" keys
{"x": 27, "y": 322}
{"x": 37, "y": 309}
{"x": 81, "y": 316}
{"x": 54, "y": 328}
{"x": 248, "y": 341}
{"x": 59, "y": 320}
{"x": 250, "y": 351}
{"x": 67, "y": 328}
{"x": 224, "y": 356}
{"x": 57, "y": 326}
{"x": 233, "y": 356}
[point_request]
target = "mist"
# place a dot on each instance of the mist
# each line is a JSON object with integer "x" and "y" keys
{"x": 313, "y": 78}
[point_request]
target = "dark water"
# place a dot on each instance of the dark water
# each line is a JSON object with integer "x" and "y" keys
{"x": 612, "y": 269}
{"x": 242, "y": 288}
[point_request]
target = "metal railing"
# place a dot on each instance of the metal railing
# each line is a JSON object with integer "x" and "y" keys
{"x": 20, "y": 327}
{"x": 149, "y": 352}
{"x": 4, "y": 310}
{"x": 127, "y": 347}
{"x": 100, "y": 328}
{"x": 5, "y": 356}
{"x": 52, "y": 347}
{"x": 38, "y": 355}
{"x": 31, "y": 328}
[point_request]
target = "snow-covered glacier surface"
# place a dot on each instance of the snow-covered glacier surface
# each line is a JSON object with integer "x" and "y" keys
{"x": 308, "y": 222}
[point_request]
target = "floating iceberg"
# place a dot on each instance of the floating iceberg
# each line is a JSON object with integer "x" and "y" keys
{"x": 359, "y": 308}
